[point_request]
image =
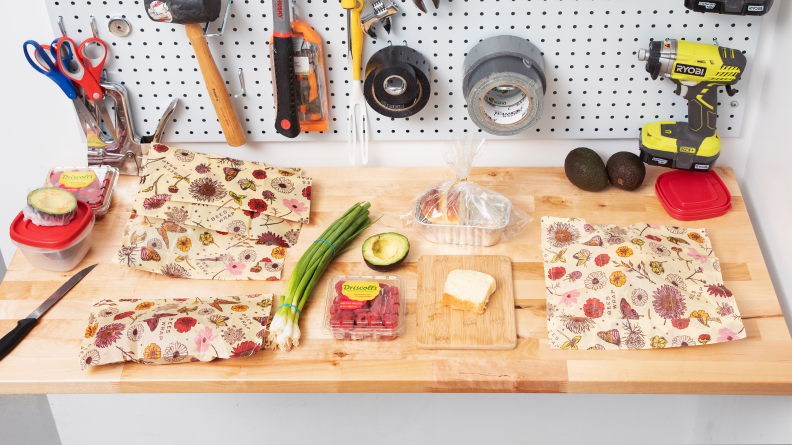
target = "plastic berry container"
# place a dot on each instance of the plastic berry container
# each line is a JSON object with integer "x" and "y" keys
{"x": 93, "y": 185}
{"x": 55, "y": 248}
{"x": 368, "y": 308}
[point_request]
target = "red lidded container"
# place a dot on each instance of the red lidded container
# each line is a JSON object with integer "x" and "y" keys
{"x": 56, "y": 248}
{"x": 688, "y": 196}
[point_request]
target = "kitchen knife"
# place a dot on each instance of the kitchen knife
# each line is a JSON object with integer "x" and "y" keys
{"x": 286, "y": 122}
{"x": 9, "y": 342}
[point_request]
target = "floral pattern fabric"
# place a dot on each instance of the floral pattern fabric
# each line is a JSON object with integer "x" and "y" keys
{"x": 209, "y": 217}
{"x": 169, "y": 331}
{"x": 639, "y": 287}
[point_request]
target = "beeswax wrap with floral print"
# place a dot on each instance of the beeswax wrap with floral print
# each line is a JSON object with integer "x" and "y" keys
{"x": 181, "y": 330}
{"x": 639, "y": 287}
{"x": 208, "y": 217}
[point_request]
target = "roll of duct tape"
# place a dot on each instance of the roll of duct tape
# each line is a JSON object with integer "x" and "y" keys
{"x": 504, "y": 85}
{"x": 397, "y": 82}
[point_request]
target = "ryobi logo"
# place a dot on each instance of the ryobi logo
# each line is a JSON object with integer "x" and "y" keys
{"x": 708, "y": 5}
{"x": 755, "y": 8}
{"x": 660, "y": 161}
{"x": 690, "y": 70}
{"x": 701, "y": 167}
{"x": 690, "y": 150}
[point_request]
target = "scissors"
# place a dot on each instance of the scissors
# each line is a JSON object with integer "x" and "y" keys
{"x": 87, "y": 72}
{"x": 44, "y": 64}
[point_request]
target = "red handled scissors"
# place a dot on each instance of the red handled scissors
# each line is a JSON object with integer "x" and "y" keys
{"x": 84, "y": 70}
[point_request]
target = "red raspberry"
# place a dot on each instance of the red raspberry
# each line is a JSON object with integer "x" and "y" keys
{"x": 348, "y": 315}
{"x": 394, "y": 291}
{"x": 374, "y": 319}
{"x": 361, "y": 311}
{"x": 334, "y": 309}
{"x": 378, "y": 305}
{"x": 361, "y": 320}
{"x": 339, "y": 288}
{"x": 391, "y": 321}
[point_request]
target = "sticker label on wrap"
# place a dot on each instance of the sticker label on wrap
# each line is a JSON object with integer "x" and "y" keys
{"x": 505, "y": 104}
{"x": 159, "y": 11}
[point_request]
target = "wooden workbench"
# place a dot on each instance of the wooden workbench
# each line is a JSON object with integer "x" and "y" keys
{"x": 46, "y": 361}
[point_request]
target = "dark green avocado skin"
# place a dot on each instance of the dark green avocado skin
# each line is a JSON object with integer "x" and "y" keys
{"x": 585, "y": 169}
{"x": 626, "y": 171}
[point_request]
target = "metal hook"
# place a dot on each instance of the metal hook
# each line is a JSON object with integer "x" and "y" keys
{"x": 61, "y": 26}
{"x": 241, "y": 82}
{"x": 93, "y": 27}
{"x": 390, "y": 43}
{"x": 404, "y": 43}
{"x": 715, "y": 40}
{"x": 225, "y": 20}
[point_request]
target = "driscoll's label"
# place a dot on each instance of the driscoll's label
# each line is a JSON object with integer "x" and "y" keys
{"x": 77, "y": 180}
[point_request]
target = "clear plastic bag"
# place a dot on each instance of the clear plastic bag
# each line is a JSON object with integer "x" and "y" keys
{"x": 458, "y": 211}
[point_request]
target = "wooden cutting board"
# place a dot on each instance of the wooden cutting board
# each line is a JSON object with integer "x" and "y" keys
{"x": 445, "y": 328}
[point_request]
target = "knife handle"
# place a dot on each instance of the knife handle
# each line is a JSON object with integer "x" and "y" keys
{"x": 9, "y": 342}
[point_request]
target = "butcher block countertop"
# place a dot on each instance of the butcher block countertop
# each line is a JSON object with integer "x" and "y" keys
{"x": 47, "y": 360}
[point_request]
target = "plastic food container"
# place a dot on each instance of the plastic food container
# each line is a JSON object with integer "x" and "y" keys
{"x": 57, "y": 248}
{"x": 459, "y": 234}
{"x": 364, "y": 307}
{"x": 690, "y": 196}
{"x": 94, "y": 185}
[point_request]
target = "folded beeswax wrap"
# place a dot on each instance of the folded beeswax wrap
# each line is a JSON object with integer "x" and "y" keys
{"x": 168, "y": 331}
{"x": 639, "y": 287}
{"x": 211, "y": 217}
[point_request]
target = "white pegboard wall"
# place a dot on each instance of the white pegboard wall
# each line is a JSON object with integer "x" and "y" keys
{"x": 596, "y": 87}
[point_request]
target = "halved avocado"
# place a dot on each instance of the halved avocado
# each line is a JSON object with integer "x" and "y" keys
{"x": 50, "y": 206}
{"x": 53, "y": 201}
{"x": 384, "y": 252}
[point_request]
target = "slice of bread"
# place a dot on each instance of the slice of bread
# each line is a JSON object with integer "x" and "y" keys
{"x": 468, "y": 290}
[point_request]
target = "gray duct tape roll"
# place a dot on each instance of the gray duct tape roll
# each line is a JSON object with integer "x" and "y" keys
{"x": 504, "y": 85}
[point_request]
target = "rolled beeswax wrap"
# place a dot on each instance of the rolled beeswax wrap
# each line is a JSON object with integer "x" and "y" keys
{"x": 211, "y": 217}
{"x": 639, "y": 287}
{"x": 169, "y": 331}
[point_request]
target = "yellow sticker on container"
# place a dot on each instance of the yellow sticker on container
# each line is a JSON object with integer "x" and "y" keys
{"x": 360, "y": 290}
{"x": 77, "y": 179}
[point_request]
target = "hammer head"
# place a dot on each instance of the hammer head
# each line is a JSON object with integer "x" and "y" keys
{"x": 183, "y": 12}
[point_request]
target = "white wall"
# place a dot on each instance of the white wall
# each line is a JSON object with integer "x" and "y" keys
{"x": 39, "y": 132}
{"x": 766, "y": 182}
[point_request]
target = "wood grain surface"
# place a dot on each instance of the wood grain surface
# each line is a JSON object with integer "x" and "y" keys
{"x": 446, "y": 328}
{"x": 46, "y": 361}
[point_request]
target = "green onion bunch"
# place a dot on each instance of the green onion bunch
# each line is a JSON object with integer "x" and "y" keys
{"x": 285, "y": 330}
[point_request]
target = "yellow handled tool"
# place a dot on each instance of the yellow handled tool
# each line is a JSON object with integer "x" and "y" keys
{"x": 356, "y": 97}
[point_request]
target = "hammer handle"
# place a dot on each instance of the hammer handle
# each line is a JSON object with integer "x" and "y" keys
{"x": 215, "y": 84}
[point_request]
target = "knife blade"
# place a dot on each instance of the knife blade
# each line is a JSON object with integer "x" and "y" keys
{"x": 10, "y": 340}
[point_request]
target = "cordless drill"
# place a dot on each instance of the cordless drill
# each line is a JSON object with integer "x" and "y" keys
{"x": 698, "y": 70}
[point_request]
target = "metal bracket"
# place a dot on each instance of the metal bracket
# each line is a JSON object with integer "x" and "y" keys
{"x": 225, "y": 20}
{"x": 241, "y": 83}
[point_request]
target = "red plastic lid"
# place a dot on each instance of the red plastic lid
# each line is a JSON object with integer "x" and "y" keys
{"x": 688, "y": 196}
{"x": 54, "y": 238}
{"x": 688, "y": 191}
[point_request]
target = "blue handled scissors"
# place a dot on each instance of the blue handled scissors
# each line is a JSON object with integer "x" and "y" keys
{"x": 44, "y": 65}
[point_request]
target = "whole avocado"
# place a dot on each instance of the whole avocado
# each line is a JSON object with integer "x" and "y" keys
{"x": 626, "y": 171}
{"x": 585, "y": 169}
